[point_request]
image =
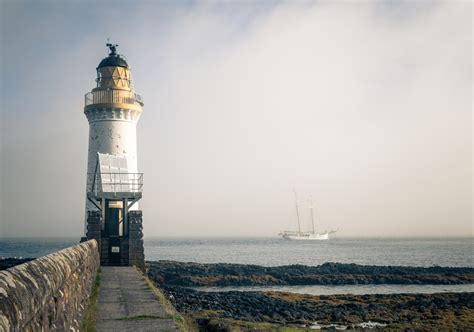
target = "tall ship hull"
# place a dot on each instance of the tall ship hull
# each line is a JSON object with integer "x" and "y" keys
{"x": 306, "y": 236}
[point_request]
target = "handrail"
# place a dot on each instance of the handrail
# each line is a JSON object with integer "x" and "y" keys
{"x": 112, "y": 96}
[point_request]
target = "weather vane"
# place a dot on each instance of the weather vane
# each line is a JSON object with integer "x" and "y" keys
{"x": 112, "y": 47}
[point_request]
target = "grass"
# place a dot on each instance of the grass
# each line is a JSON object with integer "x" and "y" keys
{"x": 181, "y": 322}
{"x": 141, "y": 317}
{"x": 215, "y": 321}
{"x": 243, "y": 326}
{"x": 90, "y": 316}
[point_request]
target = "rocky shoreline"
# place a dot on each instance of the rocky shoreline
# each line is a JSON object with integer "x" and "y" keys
{"x": 420, "y": 311}
{"x": 195, "y": 274}
{"x": 8, "y": 262}
{"x": 225, "y": 311}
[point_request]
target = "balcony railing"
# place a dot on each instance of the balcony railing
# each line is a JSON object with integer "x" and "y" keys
{"x": 114, "y": 183}
{"x": 113, "y": 96}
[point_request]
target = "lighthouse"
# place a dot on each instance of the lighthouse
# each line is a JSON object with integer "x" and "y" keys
{"x": 114, "y": 185}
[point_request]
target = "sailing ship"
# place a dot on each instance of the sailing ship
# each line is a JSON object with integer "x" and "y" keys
{"x": 305, "y": 235}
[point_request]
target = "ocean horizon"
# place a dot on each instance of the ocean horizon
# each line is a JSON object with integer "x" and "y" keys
{"x": 274, "y": 251}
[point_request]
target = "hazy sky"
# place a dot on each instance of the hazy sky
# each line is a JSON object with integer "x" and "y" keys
{"x": 366, "y": 106}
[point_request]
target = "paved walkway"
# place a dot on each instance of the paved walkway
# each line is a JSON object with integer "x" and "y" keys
{"x": 127, "y": 304}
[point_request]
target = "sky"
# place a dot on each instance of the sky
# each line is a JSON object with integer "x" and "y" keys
{"x": 366, "y": 106}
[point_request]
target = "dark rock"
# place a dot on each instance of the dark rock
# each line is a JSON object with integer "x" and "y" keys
{"x": 6, "y": 263}
{"x": 285, "y": 309}
{"x": 195, "y": 274}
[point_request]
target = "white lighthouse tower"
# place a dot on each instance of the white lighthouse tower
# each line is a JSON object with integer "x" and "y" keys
{"x": 113, "y": 182}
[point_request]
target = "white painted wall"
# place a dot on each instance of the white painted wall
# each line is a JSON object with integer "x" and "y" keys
{"x": 112, "y": 136}
{"x": 115, "y": 137}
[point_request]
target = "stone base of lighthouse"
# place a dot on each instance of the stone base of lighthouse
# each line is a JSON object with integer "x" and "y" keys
{"x": 125, "y": 250}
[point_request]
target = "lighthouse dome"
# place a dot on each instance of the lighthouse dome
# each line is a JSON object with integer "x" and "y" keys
{"x": 113, "y": 60}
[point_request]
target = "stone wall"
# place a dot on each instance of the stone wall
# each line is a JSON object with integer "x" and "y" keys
{"x": 136, "y": 248}
{"x": 49, "y": 293}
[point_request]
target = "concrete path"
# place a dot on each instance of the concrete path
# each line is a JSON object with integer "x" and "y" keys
{"x": 127, "y": 304}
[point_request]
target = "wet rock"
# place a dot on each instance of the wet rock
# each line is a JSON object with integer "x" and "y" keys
{"x": 195, "y": 274}
{"x": 399, "y": 311}
{"x": 421, "y": 311}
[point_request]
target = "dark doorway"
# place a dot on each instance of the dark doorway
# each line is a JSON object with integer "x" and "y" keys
{"x": 113, "y": 221}
{"x": 113, "y": 225}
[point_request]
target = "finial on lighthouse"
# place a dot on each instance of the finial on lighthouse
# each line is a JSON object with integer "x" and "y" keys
{"x": 113, "y": 48}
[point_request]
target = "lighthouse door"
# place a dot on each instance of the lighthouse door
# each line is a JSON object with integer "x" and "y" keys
{"x": 113, "y": 228}
{"x": 113, "y": 221}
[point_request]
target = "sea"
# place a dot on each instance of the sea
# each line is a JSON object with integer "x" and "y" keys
{"x": 273, "y": 251}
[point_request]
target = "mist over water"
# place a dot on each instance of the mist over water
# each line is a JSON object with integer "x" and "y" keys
{"x": 366, "y": 106}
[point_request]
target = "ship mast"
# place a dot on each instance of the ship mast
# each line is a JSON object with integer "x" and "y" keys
{"x": 297, "y": 213}
{"x": 311, "y": 210}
